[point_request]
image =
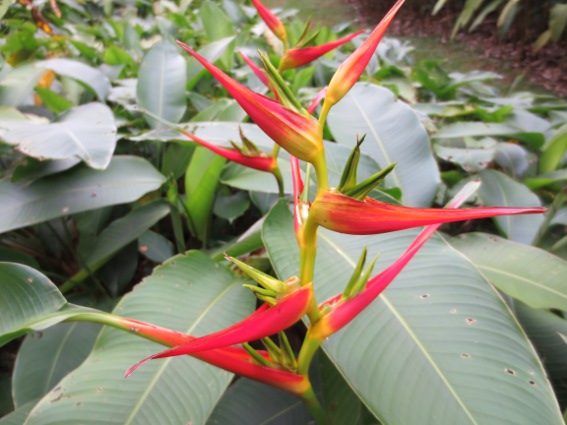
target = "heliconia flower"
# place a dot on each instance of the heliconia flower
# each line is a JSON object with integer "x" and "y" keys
{"x": 352, "y": 68}
{"x": 294, "y": 58}
{"x": 296, "y": 133}
{"x": 259, "y": 72}
{"x": 316, "y": 100}
{"x": 233, "y": 359}
{"x": 261, "y": 163}
{"x": 343, "y": 311}
{"x": 275, "y": 25}
{"x": 265, "y": 321}
{"x": 344, "y": 214}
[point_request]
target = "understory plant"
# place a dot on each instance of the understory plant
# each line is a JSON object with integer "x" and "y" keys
{"x": 314, "y": 321}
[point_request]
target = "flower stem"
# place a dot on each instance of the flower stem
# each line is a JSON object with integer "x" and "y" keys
{"x": 319, "y": 414}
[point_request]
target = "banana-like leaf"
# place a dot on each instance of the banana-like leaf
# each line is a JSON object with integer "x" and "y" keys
{"x": 189, "y": 293}
{"x": 393, "y": 134}
{"x": 161, "y": 83}
{"x": 499, "y": 189}
{"x": 439, "y": 346}
{"x": 529, "y": 274}
{"x": 46, "y": 357}
{"x": 87, "y": 132}
{"x": 126, "y": 179}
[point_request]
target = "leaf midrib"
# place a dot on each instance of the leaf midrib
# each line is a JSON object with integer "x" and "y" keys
{"x": 166, "y": 362}
{"x": 412, "y": 335}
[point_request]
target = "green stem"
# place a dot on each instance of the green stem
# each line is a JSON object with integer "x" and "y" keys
{"x": 308, "y": 349}
{"x": 320, "y": 164}
{"x": 323, "y": 116}
{"x": 319, "y": 414}
{"x": 307, "y": 255}
{"x": 279, "y": 179}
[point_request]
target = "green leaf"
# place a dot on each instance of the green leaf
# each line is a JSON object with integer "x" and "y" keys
{"x": 53, "y": 101}
{"x": 87, "y": 132}
{"x": 4, "y": 6}
{"x": 545, "y": 330}
{"x": 446, "y": 347}
{"x": 46, "y": 357}
{"x": 479, "y": 129}
{"x": 191, "y": 294}
{"x": 553, "y": 151}
{"x": 212, "y": 52}
{"x": 529, "y": 274}
{"x": 18, "y": 416}
{"x": 27, "y": 295}
{"x": 18, "y": 84}
{"x": 546, "y": 179}
{"x": 218, "y": 26}
{"x": 201, "y": 180}
{"x": 500, "y": 190}
{"x": 393, "y": 134}
{"x": 155, "y": 246}
{"x": 126, "y": 179}
{"x": 241, "y": 405}
{"x": 120, "y": 233}
{"x": 161, "y": 83}
{"x": 6, "y": 402}
{"x": 81, "y": 72}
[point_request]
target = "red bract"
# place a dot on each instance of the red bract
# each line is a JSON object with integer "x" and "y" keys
{"x": 294, "y": 58}
{"x": 259, "y": 72}
{"x": 296, "y": 133}
{"x": 351, "y": 69}
{"x": 263, "y": 322}
{"x": 343, "y": 214}
{"x": 233, "y": 359}
{"x": 271, "y": 20}
{"x": 261, "y": 163}
{"x": 343, "y": 311}
{"x": 316, "y": 100}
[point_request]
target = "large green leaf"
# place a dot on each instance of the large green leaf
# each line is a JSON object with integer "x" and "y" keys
{"x": 18, "y": 84}
{"x": 81, "y": 72}
{"x": 18, "y": 416}
{"x": 25, "y": 295}
{"x": 252, "y": 403}
{"x": 189, "y": 293}
{"x": 500, "y": 190}
{"x": 218, "y": 26}
{"x": 87, "y": 132}
{"x": 393, "y": 134}
{"x": 161, "y": 83}
{"x": 437, "y": 347}
{"x": 547, "y": 332}
{"x": 126, "y": 179}
{"x": 120, "y": 233}
{"x": 526, "y": 273}
{"x": 46, "y": 357}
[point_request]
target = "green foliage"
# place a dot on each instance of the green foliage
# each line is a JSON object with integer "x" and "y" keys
{"x": 97, "y": 190}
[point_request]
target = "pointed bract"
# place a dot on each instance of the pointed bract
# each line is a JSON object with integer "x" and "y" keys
{"x": 265, "y": 321}
{"x": 317, "y": 100}
{"x": 294, "y": 58}
{"x": 275, "y": 25}
{"x": 233, "y": 359}
{"x": 344, "y": 310}
{"x": 352, "y": 68}
{"x": 343, "y": 214}
{"x": 298, "y": 134}
{"x": 261, "y": 163}
{"x": 259, "y": 72}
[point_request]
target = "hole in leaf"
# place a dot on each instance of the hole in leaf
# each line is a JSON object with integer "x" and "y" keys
{"x": 470, "y": 321}
{"x": 509, "y": 371}
{"x": 465, "y": 355}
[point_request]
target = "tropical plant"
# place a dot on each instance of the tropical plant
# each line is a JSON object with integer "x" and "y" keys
{"x": 102, "y": 182}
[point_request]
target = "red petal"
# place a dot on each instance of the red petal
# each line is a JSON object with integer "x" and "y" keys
{"x": 343, "y": 214}
{"x": 294, "y": 58}
{"x": 296, "y": 133}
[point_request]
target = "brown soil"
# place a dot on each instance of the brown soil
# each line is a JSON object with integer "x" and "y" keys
{"x": 546, "y": 68}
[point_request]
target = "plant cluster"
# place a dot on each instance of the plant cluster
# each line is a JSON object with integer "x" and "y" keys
{"x": 102, "y": 182}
